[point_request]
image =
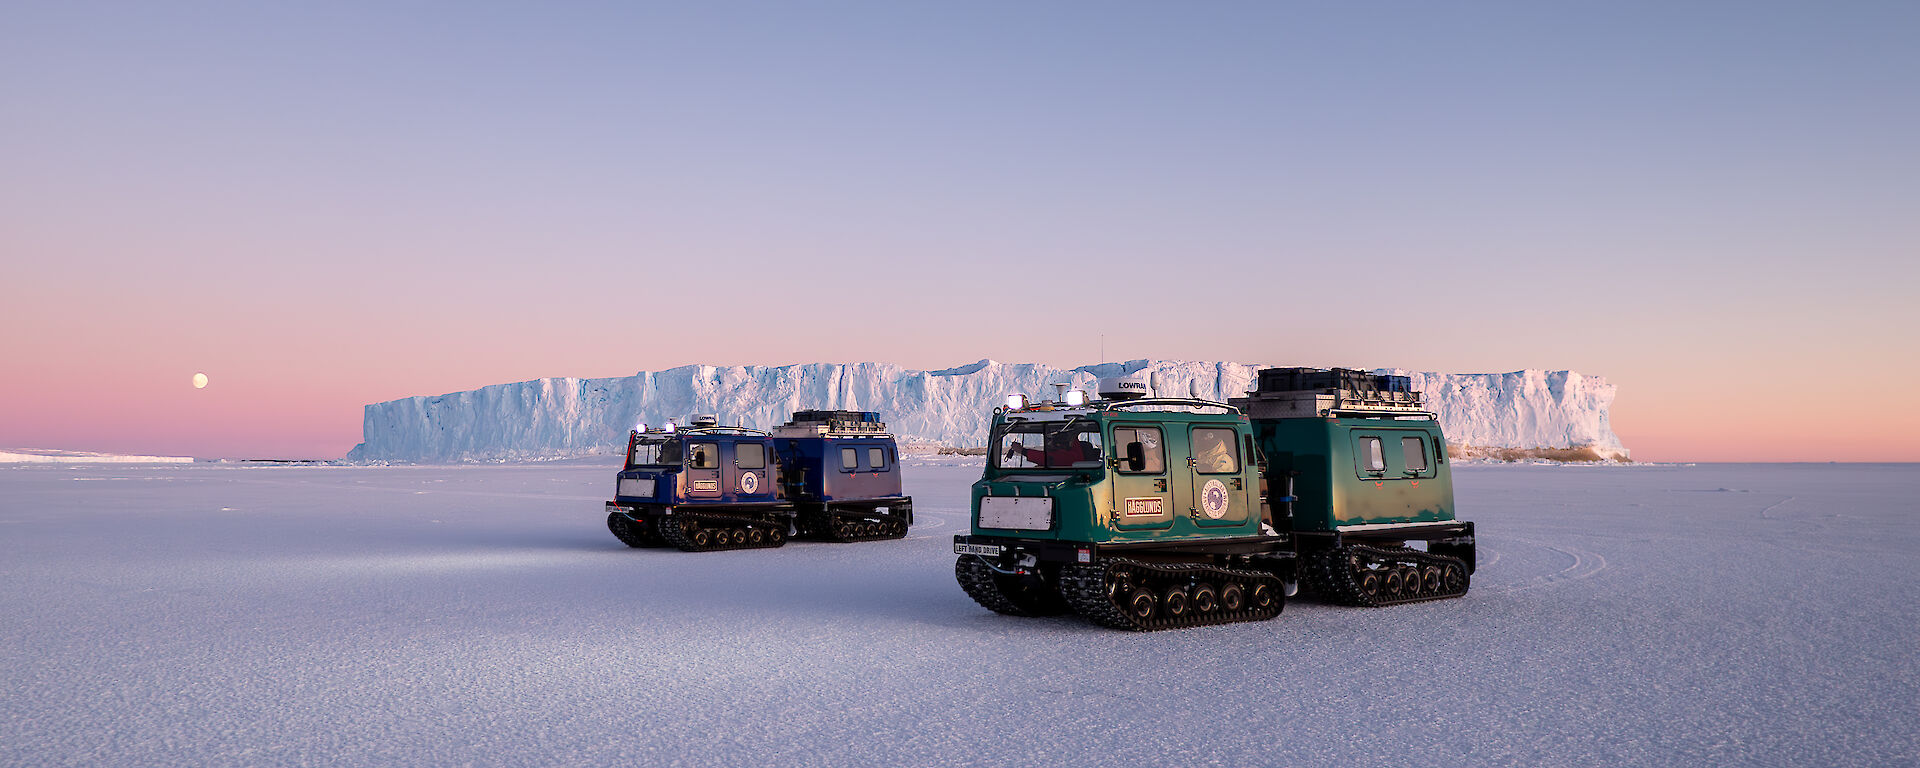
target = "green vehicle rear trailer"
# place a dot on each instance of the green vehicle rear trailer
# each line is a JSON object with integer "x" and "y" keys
{"x": 1155, "y": 513}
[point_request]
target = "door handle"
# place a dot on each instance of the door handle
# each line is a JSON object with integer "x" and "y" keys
{"x": 1160, "y": 485}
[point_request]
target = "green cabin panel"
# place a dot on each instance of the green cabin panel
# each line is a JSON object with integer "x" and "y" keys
{"x": 1204, "y": 484}
{"x": 1360, "y": 471}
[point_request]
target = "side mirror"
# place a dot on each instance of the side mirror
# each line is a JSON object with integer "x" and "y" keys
{"x": 1136, "y": 457}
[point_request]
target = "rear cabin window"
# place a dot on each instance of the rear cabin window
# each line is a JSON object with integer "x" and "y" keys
{"x": 750, "y": 455}
{"x": 1150, "y": 448}
{"x": 1213, "y": 451}
{"x": 849, "y": 459}
{"x": 1415, "y": 450}
{"x": 1371, "y": 457}
{"x": 876, "y": 459}
{"x": 703, "y": 456}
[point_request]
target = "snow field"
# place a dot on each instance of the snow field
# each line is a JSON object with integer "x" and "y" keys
{"x": 235, "y": 615}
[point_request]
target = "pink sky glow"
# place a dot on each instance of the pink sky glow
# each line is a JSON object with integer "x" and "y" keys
{"x": 328, "y": 206}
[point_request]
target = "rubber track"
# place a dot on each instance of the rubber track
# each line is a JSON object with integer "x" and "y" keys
{"x": 1085, "y": 588}
{"x": 1336, "y": 574}
{"x": 675, "y": 531}
{"x": 828, "y": 525}
{"x": 988, "y": 588}
{"x": 633, "y": 533}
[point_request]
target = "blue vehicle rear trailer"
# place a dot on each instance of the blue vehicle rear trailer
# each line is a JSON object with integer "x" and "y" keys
{"x": 843, "y": 476}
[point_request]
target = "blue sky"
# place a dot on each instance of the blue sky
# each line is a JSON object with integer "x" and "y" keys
{"x": 335, "y": 204}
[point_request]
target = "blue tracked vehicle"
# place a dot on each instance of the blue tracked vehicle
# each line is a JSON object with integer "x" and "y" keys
{"x": 830, "y": 475}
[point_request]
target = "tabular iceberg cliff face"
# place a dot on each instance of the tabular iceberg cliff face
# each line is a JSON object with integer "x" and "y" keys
{"x": 1525, "y": 411}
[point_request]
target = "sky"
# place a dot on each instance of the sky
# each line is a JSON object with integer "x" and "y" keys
{"x": 1713, "y": 205}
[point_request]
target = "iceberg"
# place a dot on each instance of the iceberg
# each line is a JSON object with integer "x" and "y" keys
{"x": 1524, "y": 413}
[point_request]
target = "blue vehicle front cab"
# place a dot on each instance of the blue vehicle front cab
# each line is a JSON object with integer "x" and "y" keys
{"x": 701, "y": 488}
{"x": 841, "y": 471}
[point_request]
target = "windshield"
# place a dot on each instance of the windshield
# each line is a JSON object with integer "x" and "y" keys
{"x": 655, "y": 451}
{"x": 1047, "y": 445}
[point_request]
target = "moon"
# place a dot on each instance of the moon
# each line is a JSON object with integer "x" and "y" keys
{"x": 199, "y": 381}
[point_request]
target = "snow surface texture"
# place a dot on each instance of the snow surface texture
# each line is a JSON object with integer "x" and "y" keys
{"x": 221, "y": 615}
{"x": 548, "y": 418}
{"x": 47, "y": 456}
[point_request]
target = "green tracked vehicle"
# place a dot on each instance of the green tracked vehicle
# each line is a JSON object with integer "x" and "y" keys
{"x": 1147, "y": 513}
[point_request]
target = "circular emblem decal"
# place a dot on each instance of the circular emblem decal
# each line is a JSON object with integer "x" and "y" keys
{"x": 1213, "y": 499}
{"x": 749, "y": 482}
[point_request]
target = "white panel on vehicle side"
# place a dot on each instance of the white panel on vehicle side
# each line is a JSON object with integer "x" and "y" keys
{"x": 1016, "y": 513}
{"x": 638, "y": 487}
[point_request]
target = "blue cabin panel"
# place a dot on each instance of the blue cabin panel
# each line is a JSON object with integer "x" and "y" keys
{"x": 691, "y": 467}
{"x": 838, "y": 456}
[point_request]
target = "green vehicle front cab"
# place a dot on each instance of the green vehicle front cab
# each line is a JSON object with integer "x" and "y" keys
{"x": 1075, "y": 481}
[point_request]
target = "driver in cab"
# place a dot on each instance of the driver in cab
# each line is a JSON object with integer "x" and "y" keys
{"x": 1063, "y": 449}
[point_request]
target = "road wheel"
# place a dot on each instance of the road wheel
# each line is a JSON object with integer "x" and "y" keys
{"x": 1262, "y": 598}
{"x": 1174, "y": 602}
{"x": 1141, "y": 605}
{"x": 1232, "y": 598}
{"x": 1370, "y": 583}
{"x": 1204, "y": 599}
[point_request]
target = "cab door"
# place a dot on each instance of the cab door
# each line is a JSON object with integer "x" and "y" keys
{"x": 750, "y": 476}
{"x": 703, "y": 470}
{"x": 1141, "y": 497}
{"x": 1218, "y": 482}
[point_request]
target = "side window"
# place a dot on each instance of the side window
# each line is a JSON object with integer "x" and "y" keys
{"x": 1213, "y": 451}
{"x": 703, "y": 456}
{"x": 849, "y": 459}
{"x": 1150, "y": 448}
{"x": 876, "y": 458}
{"x": 1371, "y": 458}
{"x": 750, "y": 455}
{"x": 1415, "y": 450}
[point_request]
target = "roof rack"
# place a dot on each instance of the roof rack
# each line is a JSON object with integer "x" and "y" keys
{"x": 1307, "y": 405}
{"x": 1186, "y": 402}
{"x": 1297, "y": 393}
{"x": 718, "y": 431}
{"x": 815, "y": 423}
{"x": 724, "y": 431}
{"x": 1377, "y": 412}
